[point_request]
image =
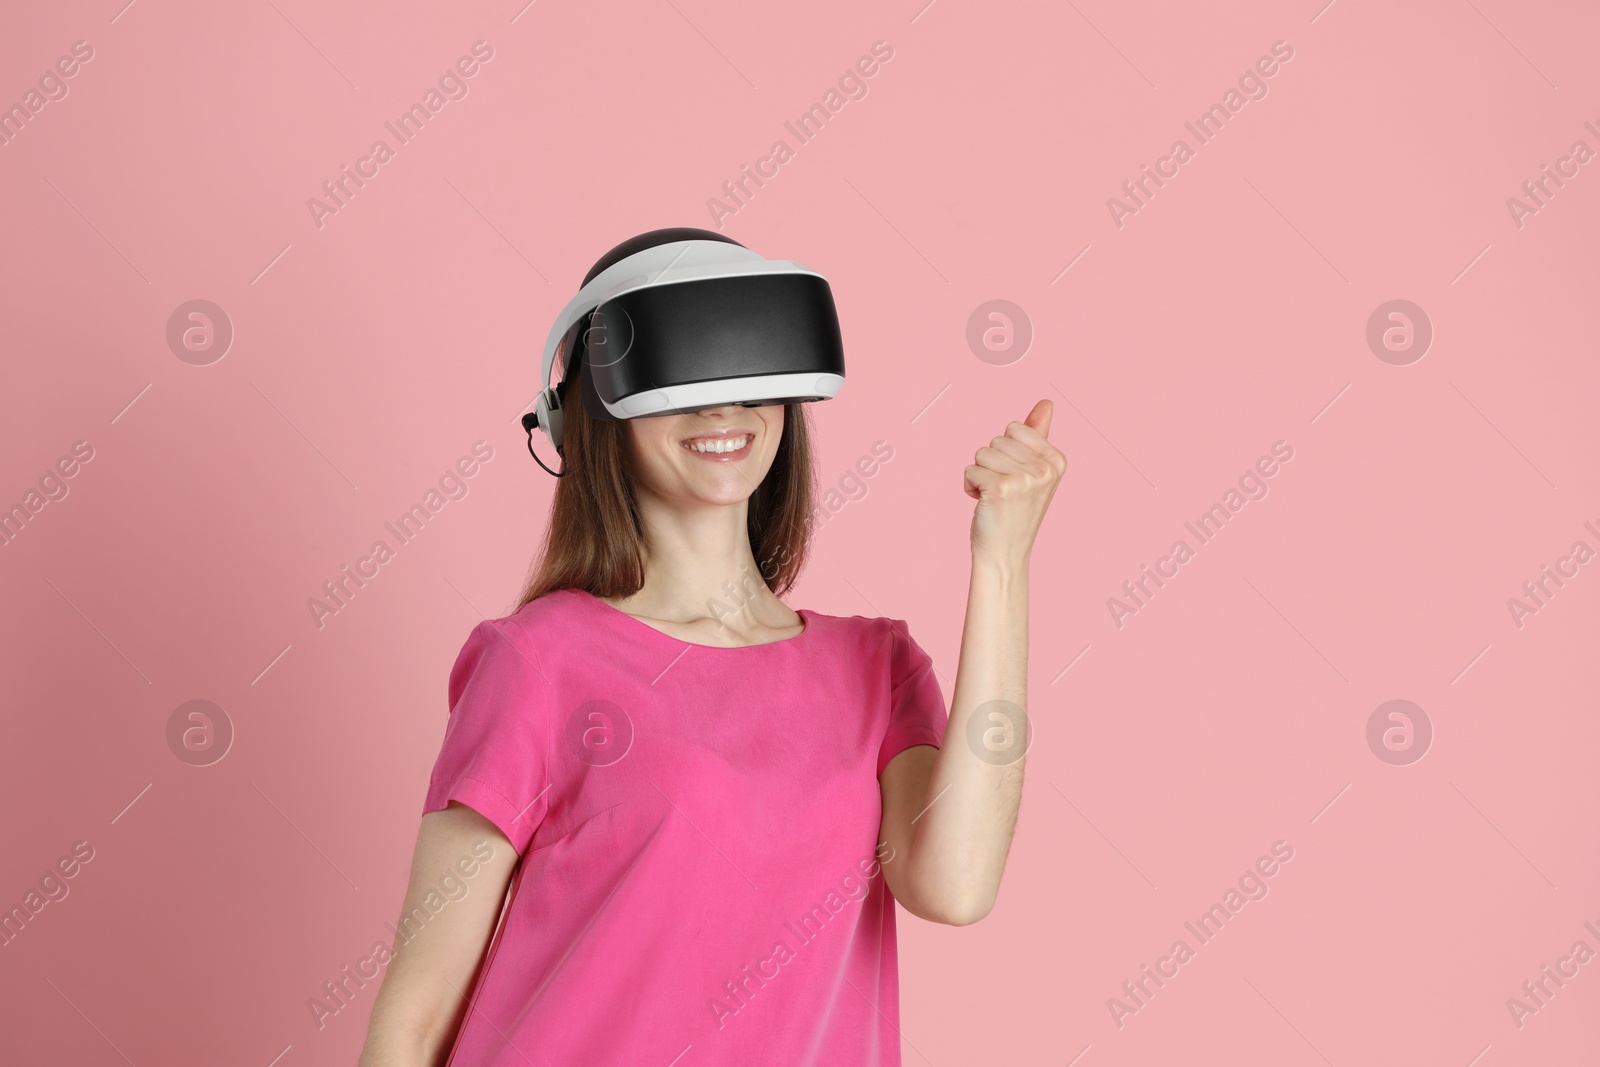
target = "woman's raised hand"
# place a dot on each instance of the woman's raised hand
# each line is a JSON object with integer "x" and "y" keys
{"x": 1013, "y": 478}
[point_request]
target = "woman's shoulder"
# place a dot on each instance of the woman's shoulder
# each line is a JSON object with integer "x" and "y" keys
{"x": 531, "y": 625}
{"x": 546, "y": 615}
{"x": 868, "y": 621}
{"x": 870, "y": 629}
{"x": 520, "y": 641}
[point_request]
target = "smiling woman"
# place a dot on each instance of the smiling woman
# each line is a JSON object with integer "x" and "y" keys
{"x": 676, "y": 779}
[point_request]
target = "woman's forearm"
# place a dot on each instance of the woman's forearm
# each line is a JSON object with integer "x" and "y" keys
{"x": 953, "y": 809}
{"x": 961, "y": 839}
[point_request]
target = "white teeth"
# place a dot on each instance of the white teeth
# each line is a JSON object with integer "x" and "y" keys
{"x": 725, "y": 444}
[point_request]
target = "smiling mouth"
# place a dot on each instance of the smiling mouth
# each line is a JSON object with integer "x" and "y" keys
{"x": 723, "y": 447}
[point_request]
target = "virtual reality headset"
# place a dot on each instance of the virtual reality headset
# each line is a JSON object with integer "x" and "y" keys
{"x": 680, "y": 320}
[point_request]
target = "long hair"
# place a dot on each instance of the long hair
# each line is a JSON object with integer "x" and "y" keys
{"x": 594, "y": 540}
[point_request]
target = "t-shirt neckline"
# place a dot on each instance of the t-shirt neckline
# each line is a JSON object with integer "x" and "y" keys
{"x": 805, "y": 613}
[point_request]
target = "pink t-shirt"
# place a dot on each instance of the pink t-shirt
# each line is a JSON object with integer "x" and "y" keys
{"x": 700, "y": 881}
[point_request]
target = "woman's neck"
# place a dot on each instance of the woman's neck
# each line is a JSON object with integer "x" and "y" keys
{"x": 701, "y": 574}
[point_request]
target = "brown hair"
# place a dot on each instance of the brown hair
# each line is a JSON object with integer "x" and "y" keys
{"x": 594, "y": 540}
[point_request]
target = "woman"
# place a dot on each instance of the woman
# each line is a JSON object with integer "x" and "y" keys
{"x": 700, "y": 803}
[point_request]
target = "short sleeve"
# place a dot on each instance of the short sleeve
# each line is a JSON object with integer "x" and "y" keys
{"x": 917, "y": 712}
{"x": 495, "y": 755}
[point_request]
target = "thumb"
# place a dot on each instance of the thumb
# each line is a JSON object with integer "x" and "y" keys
{"x": 1039, "y": 418}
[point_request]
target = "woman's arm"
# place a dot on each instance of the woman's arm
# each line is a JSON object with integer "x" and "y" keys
{"x": 949, "y": 813}
{"x": 422, "y": 1001}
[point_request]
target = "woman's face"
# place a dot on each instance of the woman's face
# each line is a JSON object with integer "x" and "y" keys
{"x": 675, "y": 458}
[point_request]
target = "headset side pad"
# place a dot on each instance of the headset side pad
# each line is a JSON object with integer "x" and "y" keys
{"x": 555, "y": 416}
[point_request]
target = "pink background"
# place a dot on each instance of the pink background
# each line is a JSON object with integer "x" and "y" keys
{"x": 1229, "y": 313}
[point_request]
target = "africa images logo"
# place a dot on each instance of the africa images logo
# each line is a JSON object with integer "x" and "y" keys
{"x": 452, "y": 85}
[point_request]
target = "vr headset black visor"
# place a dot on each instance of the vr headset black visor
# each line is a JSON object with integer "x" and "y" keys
{"x": 679, "y": 320}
